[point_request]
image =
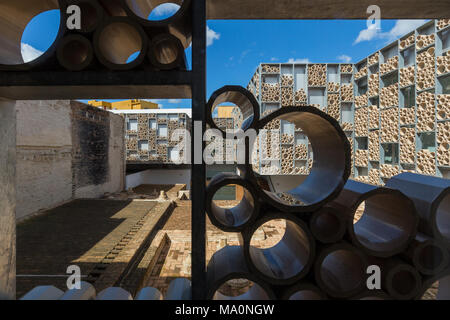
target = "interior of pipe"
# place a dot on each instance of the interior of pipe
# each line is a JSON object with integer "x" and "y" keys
{"x": 287, "y": 258}
{"x": 326, "y": 224}
{"x": 154, "y": 9}
{"x": 89, "y": 15}
{"x": 306, "y": 295}
{"x": 342, "y": 271}
{"x": 14, "y": 18}
{"x": 113, "y": 8}
{"x": 166, "y": 51}
{"x": 442, "y": 218}
{"x": 252, "y": 292}
{"x": 234, "y": 216}
{"x": 403, "y": 282}
{"x": 430, "y": 256}
{"x": 118, "y": 41}
{"x": 75, "y": 52}
{"x": 386, "y": 224}
{"x": 328, "y": 168}
{"x": 236, "y": 99}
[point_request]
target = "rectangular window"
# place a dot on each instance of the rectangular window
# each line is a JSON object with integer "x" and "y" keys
{"x": 362, "y": 143}
{"x": 143, "y": 145}
{"x": 390, "y": 152}
{"x": 162, "y": 130}
{"x": 347, "y": 114}
{"x": 174, "y": 154}
{"x": 409, "y": 97}
{"x": 152, "y": 124}
{"x": 173, "y": 117}
{"x": 132, "y": 124}
{"x": 427, "y": 141}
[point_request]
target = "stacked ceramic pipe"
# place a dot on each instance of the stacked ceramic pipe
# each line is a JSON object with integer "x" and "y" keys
{"x": 113, "y": 35}
{"x": 407, "y": 77}
{"x": 287, "y": 159}
{"x": 333, "y": 106}
{"x": 347, "y": 93}
{"x": 426, "y": 163}
{"x": 287, "y": 138}
{"x": 361, "y": 122}
{"x": 373, "y": 59}
{"x": 443, "y": 64}
{"x": 390, "y": 65}
{"x": 374, "y": 177}
{"x": 301, "y": 151}
{"x": 424, "y": 41}
{"x": 407, "y": 145}
{"x": 389, "y": 96}
{"x": 361, "y": 158}
{"x": 443, "y": 138}
{"x": 389, "y": 125}
{"x": 300, "y": 97}
{"x": 443, "y": 107}
{"x": 327, "y": 245}
{"x": 287, "y": 80}
{"x": 347, "y": 126}
{"x": 270, "y": 68}
{"x": 374, "y": 82}
{"x": 333, "y": 86}
{"x": 287, "y": 96}
{"x": 362, "y": 100}
{"x": 270, "y": 92}
{"x": 425, "y": 112}
{"x": 407, "y": 42}
{"x": 361, "y": 73}
{"x": 374, "y": 145}
{"x": 443, "y": 23}
{"x": 425, "y": 69}
{"x": 346, "y": 68}
{"x": 317, "y": 75}
{"x": 374, "y": 117}
{"x": 407, "y": 116}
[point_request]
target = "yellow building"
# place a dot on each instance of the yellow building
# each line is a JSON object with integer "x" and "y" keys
{"x": 134, "y": 104}
{"x": 225, "y": 111}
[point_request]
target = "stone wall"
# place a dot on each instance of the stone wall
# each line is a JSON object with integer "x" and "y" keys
{"x": 66, "y": 150}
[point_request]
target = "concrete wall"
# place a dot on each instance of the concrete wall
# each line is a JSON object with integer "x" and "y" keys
{"x": 66, "y": 150}
{"x": 7, "y": 200}
{"x": 160, "y": 176}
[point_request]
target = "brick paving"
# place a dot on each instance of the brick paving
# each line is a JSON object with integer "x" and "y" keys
{"x": 82, "y": 232}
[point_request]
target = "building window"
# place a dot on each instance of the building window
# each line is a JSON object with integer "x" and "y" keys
{"x": 162, "y": 130}
{"x": 143, "y": 145}
{"x": 152, "y": 124}
{"x": 409, "y": 97}
{"x": 347, "y": 114}
{"x": 173, "y": 117}
{"x": 427, "y": 141}
{"x": 390, "y": 153}
{"x": 362, "y": 143}
{"x": 174, "y": 154}
{"x": 132, "y": 125}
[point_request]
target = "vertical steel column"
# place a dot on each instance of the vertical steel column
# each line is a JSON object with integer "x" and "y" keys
{"x": 198, "y": 170}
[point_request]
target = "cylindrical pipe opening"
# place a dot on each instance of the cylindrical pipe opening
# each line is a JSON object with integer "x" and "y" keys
{"x": 304, "y": 291}
{"x": 441, "y": 219}
{"x": 246, "y": 106}
{"x": 285, "y": 261}
{"x": 117, "y": 41}
{"x": 403, "y": 282}
{"x": 91, "y": 14}
{"x": 235, "y": 216}
{"x": 154, "y": 10}
{"x": 331, "y": 150}
{"x": 75, "y": 52}
{"x": 166, "y": 52}
{"x": 430, "y": 257}
{"x": 387, "y": 225}
{"x": 327, "y": 225}
{"x": 240, "y": 289}
{"x": 341, "y": 271}
{"x": 15, "y": 16}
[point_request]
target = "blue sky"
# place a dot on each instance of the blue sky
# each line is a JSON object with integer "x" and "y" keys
{"x": 236, "y": 47}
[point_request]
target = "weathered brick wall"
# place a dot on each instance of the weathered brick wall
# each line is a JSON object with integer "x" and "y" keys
{"x": 66, "y": 150}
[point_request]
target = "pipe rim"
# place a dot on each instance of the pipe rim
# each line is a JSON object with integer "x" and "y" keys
{"x": 116, "y": 66}
{"x": 242, "y": 92}
{"x": 98, "y": 9}
{"x": 341, "y": 178}
{"x": 336, "y": 235}
{"x": 330, "y": 250}
{"x": 291, "y": 291}
{"x": 436, "y": 214}
{"x": 444, "y": 258}
{"x": 50, "y": 52}
{"x": 222, "y": 180}
{"x": 399, "y": 246}
{"x": 395, "y": 271}
{"x": 161, "y": 38}
{"x": 300, "y": 227}
{"x": 184, "y": 9}
{"x": 76, "y": 38}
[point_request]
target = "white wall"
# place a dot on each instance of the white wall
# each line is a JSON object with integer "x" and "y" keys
{"x": 159, "y": 176}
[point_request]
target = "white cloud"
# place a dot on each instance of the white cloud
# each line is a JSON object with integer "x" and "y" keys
{"x": 166, "y": 9}
{"x": 273, "y": 59}
{"x": 211, "y": 35}
{"x": 298, "y": 60}
{"x": 29, "y": 53}
{"x": 400, "y": 28}
{"x": 174, "y": 100}
{"x": 344, "y": 58}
